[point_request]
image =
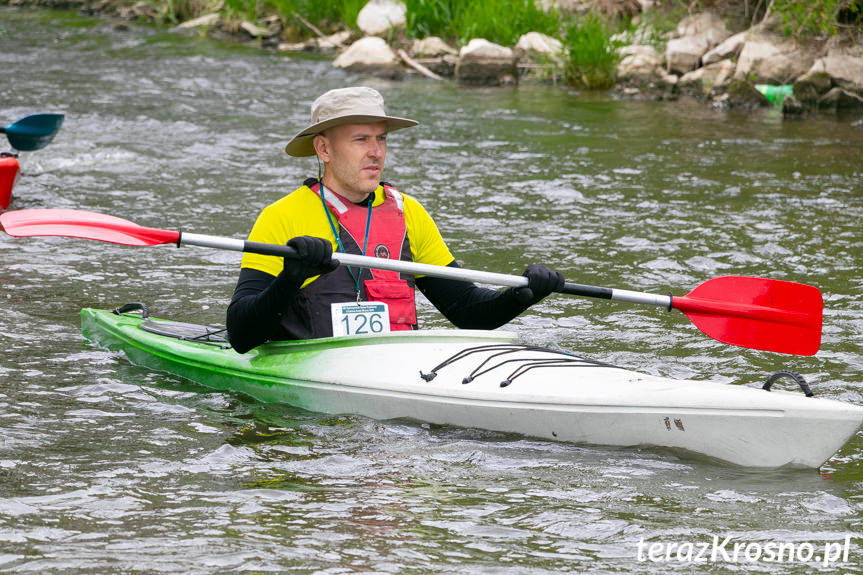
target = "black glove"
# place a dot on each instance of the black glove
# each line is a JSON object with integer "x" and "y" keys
{"x": 541, "y": 281}
{"x": 315, "y": 258}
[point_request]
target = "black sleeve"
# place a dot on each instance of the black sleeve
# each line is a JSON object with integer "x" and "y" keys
{"x": 256, "y": 309}
{"x": 469, "y": 306}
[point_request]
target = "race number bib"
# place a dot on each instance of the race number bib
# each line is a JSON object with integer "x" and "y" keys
{"x": 357, "y": 318}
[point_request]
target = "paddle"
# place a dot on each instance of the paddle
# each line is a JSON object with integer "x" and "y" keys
{"x": 33, "y": 132}
{"x": 758, "y": 313}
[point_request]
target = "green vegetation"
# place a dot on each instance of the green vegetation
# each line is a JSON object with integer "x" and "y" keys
{"x": 802, "y": 18}
{"x": 176, "y": 11}
{"x": 503, "y": 21}
{"x": 499, "y": 21}
{"x": 328, "y": 15}
{"x": 817, "y": 17}
{"x": 591, "y": 56}
{"x": 591, "y": 59}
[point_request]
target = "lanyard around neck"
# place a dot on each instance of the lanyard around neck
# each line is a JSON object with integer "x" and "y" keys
{"x": 336, "y": 233}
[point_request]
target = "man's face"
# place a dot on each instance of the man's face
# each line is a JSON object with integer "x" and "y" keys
{"x": 354, "y": 157}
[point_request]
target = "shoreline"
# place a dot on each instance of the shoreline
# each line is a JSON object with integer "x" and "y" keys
{"x": 748, "y": 70}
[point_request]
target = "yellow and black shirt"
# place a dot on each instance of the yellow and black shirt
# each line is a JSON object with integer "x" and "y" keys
{"x": 261, "y": 310}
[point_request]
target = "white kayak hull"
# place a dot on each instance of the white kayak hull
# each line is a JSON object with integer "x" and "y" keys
{"x": 561, "y": 398}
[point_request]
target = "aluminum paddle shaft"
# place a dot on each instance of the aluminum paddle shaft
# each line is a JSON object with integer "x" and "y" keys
{"x": 759, "y": 313}
{"x": 415, "y": 268}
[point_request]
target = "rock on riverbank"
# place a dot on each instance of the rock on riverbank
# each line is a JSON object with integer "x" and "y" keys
{"x": 708, "y": 62}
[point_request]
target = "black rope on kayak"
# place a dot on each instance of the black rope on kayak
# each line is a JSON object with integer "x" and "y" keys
{"x": 522, "y": 369}
{"x": 479, "y": 371}
{"x": 568, "y": 360}
{"x": 466, "y": 352}
{"x": 187, "y": 332}
{"x": 206, "y": 337}
{"x": 132, "y": 306}
{"x": 792, "y": 375}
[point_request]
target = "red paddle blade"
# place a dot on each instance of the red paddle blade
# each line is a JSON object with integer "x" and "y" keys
{"x": 84, "y": 225}
{"x": 771, "y": 315}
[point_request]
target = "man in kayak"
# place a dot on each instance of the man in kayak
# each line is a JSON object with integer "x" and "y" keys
{"x": 352, "y": 210}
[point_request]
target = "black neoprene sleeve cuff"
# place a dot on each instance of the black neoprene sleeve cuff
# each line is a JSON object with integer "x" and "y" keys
{"x": 469, "y": 306}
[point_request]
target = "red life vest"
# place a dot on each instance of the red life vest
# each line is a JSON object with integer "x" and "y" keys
{"x": 387, "y": 238}
{"x": 309, "y": 315}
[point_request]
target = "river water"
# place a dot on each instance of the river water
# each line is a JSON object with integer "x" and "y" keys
{"x": 107, "y": 467}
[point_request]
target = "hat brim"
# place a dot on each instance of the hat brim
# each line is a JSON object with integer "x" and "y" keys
{"x": 301, "y": 145}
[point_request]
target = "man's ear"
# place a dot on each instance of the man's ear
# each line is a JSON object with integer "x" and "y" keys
{"x": 322, "y": 147}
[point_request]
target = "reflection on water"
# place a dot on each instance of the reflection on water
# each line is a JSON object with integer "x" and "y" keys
{"x": 106, "y": 467}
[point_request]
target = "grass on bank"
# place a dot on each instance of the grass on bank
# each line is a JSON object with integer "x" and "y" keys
{"x": 327, "y": 15}
{"x": 818, "y": 17}
{"x": 498, "y": 21}
{"x": 591, "y": 55}
{"x": 591, "y": 58}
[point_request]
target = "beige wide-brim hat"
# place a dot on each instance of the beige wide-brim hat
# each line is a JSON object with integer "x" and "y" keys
{"x": 357, "y": 105}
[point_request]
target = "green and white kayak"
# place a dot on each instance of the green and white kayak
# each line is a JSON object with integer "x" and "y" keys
{"x": 487, "y": 380}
